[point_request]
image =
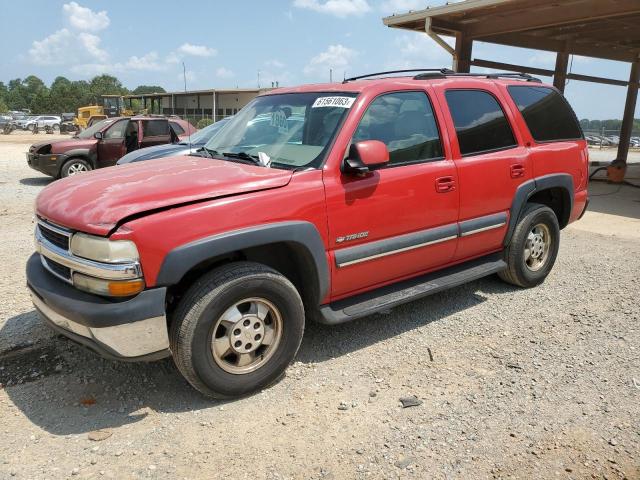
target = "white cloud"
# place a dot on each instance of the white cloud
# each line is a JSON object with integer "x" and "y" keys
{"x": 338, "y": 8}
{"x": 418, "y": 51}
{"x": 83, "y": 18}
{"x": 224, "y": 73}
{"x": 149, "y": 62}
{"x": 402, "y": 6}
{"x": 197, "y": 50}
{"x": 64, "y": 48}
{"x": 336, "y": 56}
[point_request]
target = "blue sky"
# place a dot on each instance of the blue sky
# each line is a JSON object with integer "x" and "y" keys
{"x": 226, "y": 44}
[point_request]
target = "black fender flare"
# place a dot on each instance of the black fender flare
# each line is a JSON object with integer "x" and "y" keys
{"x": 182, "y": 259}
{"x": 83, "y": 153}
{"x": 527, "y": 189}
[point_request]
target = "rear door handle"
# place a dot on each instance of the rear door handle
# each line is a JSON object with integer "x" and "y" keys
{"x": 445, "y": 184}
{"x": 517, "y": 170}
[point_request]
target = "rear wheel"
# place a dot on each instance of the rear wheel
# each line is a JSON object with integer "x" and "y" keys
{"x": 534, "y": 247}
{"x": 237, "y": 329}
{"x": 74, "y": 167}
{"x": 56, "y": 128}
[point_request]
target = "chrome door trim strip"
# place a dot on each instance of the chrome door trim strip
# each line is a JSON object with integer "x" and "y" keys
{"x": 393, "y": 252}
{"x": 410, "y": 241}
{"x": 483, "y": 229}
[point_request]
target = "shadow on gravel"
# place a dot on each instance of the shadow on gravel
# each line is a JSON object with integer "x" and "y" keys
{"x": 65, "y": 389}
{"x": 36, "y": 181}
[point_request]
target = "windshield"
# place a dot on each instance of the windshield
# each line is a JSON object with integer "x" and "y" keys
{"x": 202, "y": 136}
{"x": 96, "y": 127}
{"x": 294, "y": 130}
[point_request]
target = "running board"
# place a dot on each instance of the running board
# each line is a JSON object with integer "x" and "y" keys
{"x": 409, "y": 290}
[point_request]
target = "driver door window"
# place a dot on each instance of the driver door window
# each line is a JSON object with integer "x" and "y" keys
{"x": 405, "y": 123}
{"x": 117, "y": 130}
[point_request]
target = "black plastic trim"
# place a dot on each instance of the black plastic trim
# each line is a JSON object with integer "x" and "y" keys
{"x": 468, "y": 227}
{"x": 91, "y": 310}
{"x": 394, "y": 244}
{"x": 182, "y": 259}
{"x": 409, "y": 290}
{"x": 527, "y": 189}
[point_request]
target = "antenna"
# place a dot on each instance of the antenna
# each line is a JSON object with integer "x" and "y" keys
{"x": 331, "y": 75}
{"x": 184, "y": 75}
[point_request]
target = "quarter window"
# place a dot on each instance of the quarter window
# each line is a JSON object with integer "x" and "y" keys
{"x": 177, "y": 129}
{"x": 155, "y": 128}
{"x": 481, "y": 125}
{"x": 405, "y": 123}
{"x": 548, "y": 115}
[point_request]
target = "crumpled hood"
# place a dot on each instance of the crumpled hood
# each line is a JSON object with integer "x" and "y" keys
{"x": 96, "y": 201}
{"x": 61, "y": 146}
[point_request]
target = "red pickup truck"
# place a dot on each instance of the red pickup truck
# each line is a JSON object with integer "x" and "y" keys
{"x": 382, "y": 190}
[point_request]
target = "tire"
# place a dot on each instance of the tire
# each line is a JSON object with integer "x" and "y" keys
{"x": 31, "y": 127}
{"x": 56, "y": 127}
{"x": 75, "y": 166}
{"x": 533, "y": 249}
{"x": 200, "y": 318}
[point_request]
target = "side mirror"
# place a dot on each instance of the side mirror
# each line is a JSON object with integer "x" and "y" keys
{"x": 97, "y": 135}
{"x": 365, "y": 157}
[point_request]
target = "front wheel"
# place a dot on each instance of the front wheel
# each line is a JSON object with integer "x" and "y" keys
{"x": 74, "y": 167}
{"x": 534, "y": 247}
{"x": 237, "y": 329}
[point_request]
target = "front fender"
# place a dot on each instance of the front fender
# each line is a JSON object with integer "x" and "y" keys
{"x": 304, "y": 234}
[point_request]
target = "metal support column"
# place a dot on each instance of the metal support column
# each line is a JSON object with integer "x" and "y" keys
{"x": 629, "y": 112}
{"x": 560, "y": 72}
{"x": 214, "y": 112}
{"x": 462, "y": 57}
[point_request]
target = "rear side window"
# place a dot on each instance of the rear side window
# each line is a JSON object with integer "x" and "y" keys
{"x": 404, "y": 122}
{"x": 548, "y": 115}
{"x": 155, "y": 128}
{"x": 177, "y": 129}
{"x": 481, "y": 125}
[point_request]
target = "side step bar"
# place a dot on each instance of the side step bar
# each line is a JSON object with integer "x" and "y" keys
{"x": 409, "y": 290}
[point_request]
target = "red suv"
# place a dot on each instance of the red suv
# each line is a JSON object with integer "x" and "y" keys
{"x": 104, "y": 143}
{"x": 380, "y": 192}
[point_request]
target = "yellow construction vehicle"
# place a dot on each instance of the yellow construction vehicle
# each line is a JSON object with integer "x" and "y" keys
{"x": 112, "y": 106}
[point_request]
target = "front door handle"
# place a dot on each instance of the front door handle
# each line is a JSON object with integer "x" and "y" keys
{"x": 445, "y": 184}
{"x": 517, "y": 170}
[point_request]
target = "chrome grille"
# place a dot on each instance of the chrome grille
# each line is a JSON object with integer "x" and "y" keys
{"x": 60, "y": 238}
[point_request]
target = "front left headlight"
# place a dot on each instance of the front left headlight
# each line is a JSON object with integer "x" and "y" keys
{"x": 102, "y": 249}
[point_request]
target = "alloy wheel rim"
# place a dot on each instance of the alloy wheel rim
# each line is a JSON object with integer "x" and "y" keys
{"x": 77, "y": 168}
{"x": 537, "y": 247}
{"x": 246, "y": 335}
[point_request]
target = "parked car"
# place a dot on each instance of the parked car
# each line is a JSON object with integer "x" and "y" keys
{"x": 188, "y": 144}
{"x": 102, "y": 144}
{"x": 391, "y": 189}
{"x": 42, "y": 121}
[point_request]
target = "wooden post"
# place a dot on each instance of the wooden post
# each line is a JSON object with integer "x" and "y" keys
{"x": 629, "y": 111}
{"x": 560, "y": 73}
{"x": 462, "y": 58}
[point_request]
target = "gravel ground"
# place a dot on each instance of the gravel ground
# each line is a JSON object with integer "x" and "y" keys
{"x": 510, "y": 383}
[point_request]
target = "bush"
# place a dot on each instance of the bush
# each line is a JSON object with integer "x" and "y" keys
{"x": 203, "y": 122}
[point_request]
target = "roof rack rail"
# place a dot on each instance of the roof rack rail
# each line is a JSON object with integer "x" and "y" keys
{"x": 377, "y": 74}
{"x": 449, "y": 73}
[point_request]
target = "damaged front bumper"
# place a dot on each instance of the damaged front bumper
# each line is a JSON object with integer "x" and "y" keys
{"x": 132, "y": 330}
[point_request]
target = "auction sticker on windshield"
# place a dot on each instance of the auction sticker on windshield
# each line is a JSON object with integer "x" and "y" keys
{"x": 344, "y": 102}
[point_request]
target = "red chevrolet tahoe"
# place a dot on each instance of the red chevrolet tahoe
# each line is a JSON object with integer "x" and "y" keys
{"x": 339, "y": 201}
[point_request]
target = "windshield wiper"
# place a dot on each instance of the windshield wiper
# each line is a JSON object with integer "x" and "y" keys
{"x": 204, "y": 152}
{"x": 243, "y": 156}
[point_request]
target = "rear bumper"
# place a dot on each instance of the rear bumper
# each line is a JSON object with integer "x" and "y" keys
{"x": 48, "y": 164}
{"x": 130, "y": 330}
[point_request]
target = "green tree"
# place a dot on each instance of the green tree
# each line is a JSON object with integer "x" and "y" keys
{"x": 106, "y": 85}
{"x": 140, "y": 89}
{"x": 3, "y": 106}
